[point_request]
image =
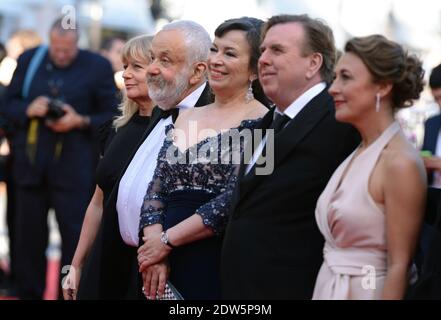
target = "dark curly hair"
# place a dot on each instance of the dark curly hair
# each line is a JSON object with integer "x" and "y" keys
{"x": 388, "y": 62}
{"x": 252, "y": 28}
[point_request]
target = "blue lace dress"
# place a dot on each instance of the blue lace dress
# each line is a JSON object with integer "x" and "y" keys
{"x": 199, "y": 180}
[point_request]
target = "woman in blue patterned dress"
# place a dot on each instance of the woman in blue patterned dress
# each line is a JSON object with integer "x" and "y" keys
{"x": 186, "y": 205}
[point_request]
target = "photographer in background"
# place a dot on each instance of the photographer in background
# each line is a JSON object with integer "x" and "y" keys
{"x": 57, "y": 97}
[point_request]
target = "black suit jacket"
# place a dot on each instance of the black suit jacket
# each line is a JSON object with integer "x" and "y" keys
{"x": 431, "y": 132}
{"x": 272, "y": 247}
{"x": 111, "y": 269}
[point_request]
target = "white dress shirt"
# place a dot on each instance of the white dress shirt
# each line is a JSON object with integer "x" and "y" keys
{"x": 292, "y": 111}
{"x": 134, "y": 183}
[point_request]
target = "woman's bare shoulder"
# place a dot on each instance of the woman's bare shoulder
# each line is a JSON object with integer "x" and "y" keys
{"x": 401, "y": 158}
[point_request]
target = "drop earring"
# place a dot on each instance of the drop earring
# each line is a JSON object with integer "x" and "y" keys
{"x": 249, "y": 96}
{"x": 377, "y": 104}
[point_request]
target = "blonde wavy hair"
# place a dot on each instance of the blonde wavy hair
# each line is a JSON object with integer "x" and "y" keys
{"x": 136, "y": 48}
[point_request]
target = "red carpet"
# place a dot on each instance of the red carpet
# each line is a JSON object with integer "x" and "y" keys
{"x": 52, "y": 281}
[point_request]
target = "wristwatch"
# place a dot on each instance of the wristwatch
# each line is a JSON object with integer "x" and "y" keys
{"x": 164, "y": 240}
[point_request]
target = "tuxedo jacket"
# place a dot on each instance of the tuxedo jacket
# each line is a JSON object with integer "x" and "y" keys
{"x": 431, "y": 132}
{"x": 272, "y": 246}
{"x": 111, "y": 268}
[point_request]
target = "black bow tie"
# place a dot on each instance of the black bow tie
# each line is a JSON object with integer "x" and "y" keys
{"x": 174, "y": 112}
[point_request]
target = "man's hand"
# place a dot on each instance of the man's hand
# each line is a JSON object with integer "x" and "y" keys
{"x": 71, "y": 120}
{"x": 432, "y": 163}
{"x": 38, "y": 108}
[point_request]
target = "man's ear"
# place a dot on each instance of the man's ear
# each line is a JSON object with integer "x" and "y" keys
{"x": 315, "y": 63}
{"x": 199, "y": 73}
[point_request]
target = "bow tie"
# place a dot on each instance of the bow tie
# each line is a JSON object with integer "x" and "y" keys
{"x": 174, "y": 112}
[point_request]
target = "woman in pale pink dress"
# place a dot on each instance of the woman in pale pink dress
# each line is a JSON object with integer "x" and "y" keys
{"x": 371, "y": 211}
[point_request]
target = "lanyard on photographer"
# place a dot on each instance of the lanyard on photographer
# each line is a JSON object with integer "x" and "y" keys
{"x": 58, "y": 147}
{"x": 32, "y": 136}
{"x": 31, "y": 145}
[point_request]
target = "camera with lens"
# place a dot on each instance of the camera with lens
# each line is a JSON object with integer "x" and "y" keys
{"x": 55, "y": 109}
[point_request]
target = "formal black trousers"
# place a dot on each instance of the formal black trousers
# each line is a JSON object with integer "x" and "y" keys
{"x": 32, "y": 234}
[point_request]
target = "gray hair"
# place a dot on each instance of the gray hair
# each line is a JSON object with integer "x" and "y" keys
{"x": 59, "y": 27}
{"x": 197, "y": 39}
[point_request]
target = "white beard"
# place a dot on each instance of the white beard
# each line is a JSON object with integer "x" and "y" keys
{"x": 165, "y": 94}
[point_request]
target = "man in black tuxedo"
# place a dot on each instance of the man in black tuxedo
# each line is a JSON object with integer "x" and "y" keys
{"x": 272, "y": 247}
{"x": 432, "y": 163}
{"x": 176, "y": 79}
{"x": 431, "y": 132}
